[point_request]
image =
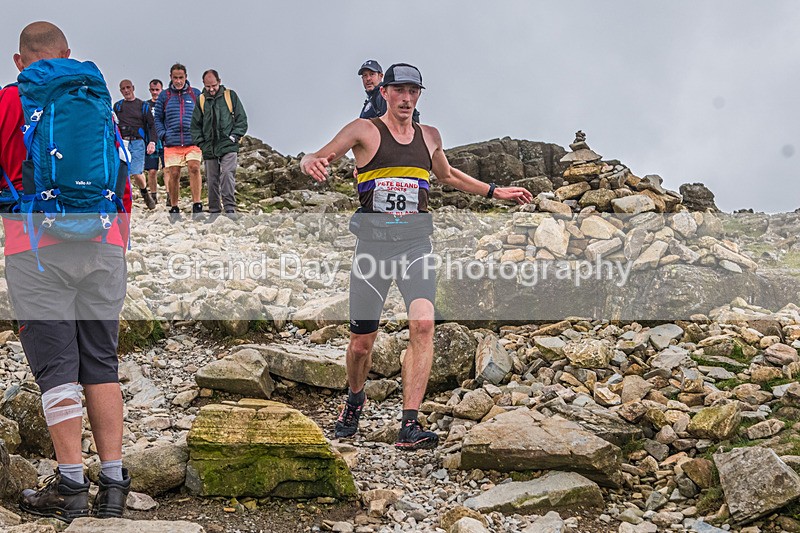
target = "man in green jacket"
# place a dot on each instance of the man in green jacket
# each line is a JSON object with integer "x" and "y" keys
{"x": 218, "y": 122}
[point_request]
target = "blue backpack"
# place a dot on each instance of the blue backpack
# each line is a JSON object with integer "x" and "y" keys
{"x": 72, "y": 179}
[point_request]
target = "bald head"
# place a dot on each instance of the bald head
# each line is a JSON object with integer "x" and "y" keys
{"x": 40, "y": 40}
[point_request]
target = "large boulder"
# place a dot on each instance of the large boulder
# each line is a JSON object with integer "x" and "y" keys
{"x": 697, "y": 197}
{"x": 23, "y": 404}
{"x": 322, "y": 312}
{"x": 318, "y": 366}
{"x": 137, "y": 325}
{"x": 244, "y": 372}
{"x": 554, "y": 490}
{"x": 261, "y": 448}
{"x": 597, "y": 420}
{"x": 154, "y": 470}
{"x": 522, "y": 440}
{"x": 589, "y": 353}
{"x": 386, "y": 354}
{"x": 453, "y": 357}
{"x": 492, "y": 361}
{"x": 719, "y": 422}
{"x": 756, "y": 482}
{"x": 123, "y": 525}
{"x": 9, "y": 433}
{"x": 21, "y": 475}
{"x": 670, "y": 293}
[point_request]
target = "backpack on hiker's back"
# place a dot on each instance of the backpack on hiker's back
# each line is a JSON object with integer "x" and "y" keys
{"x": 72, "y": 178}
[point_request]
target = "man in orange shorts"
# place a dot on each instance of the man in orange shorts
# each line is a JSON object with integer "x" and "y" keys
{"x": 173, "y": 116}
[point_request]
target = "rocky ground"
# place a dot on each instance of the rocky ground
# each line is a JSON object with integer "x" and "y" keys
{"x": 688, "y": 423}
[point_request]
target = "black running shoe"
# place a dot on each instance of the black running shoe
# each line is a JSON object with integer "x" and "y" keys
{"x": 347, "y": 423}
{"x": 197, "y": 211}
{"x": 60, "y": 498}
{"x": 413, "y": 437}
{"x": 174, "y": 214}
{"x": 111, "y": 498}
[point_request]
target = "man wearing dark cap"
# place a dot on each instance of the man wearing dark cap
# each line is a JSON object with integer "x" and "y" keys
{"x": 394, "y": 160}
{"x": 371, "y": 76}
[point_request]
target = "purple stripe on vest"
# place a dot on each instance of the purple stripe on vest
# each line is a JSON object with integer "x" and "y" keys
{"x": 366, "y": 186}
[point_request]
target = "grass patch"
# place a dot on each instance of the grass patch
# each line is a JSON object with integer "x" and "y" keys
{"x": 344, "y": 187}
{"x": 133, "y": 337}
{"x": 710, "y": 499}
{"x": 708, "y": 362}
{"x": 791, "y": 260}
{"x": 737, "y": 354}
{"x": 633, "y": 445}
{"x": 729, "y": 384}
{"x": 776, "y": 383}
{"x": 792, "y": 441}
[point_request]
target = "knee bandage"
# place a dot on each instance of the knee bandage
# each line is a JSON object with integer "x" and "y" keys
{"x": 54, "y": 413}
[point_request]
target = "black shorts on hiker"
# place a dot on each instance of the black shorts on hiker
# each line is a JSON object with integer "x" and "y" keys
{"x": 375, "y": 265}
{"x": 69, "y": 314}
{"x": 151, "y": 161}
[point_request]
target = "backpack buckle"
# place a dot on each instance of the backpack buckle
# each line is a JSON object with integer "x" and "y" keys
{"x": 37, "y": 115}
{"x": 48, "y": 222}
{"x": 105, "y": 220}
{"x": 109, "y": 195}
{"x": 47, "y": 195}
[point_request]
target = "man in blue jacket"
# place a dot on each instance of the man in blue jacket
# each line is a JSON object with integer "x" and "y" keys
{"x": 371, "y": 77}
{"x": 173, "y": 115}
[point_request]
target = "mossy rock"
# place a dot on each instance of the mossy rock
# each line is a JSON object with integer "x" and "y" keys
{"x": 260, "y": 448}
{"x": 138, "y": 326}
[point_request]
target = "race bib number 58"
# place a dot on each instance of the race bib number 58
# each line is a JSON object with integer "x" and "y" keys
{"x": 396, "y": 196}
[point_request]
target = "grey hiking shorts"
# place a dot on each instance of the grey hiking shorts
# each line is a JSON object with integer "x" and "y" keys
{"x": 69, "y": 314}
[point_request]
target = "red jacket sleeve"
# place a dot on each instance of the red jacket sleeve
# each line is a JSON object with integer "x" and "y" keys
{"x": 12, "y": 149}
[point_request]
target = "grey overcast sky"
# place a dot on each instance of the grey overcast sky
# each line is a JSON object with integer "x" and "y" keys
{"x": 692, "y": 90}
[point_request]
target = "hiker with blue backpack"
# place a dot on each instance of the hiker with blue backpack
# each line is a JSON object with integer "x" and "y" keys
{"x": 138, "y": 130}
{"x": 174, "y": 109}
{"x": 66, "y": 233}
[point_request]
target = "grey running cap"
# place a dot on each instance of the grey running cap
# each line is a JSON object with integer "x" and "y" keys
{"x": 402, "y": 73}
{"x": 370, "y": 64}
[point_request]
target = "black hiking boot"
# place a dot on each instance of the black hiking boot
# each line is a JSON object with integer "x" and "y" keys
{"x": 110, "y": 499}
{"x": 347, "y": 423}
{"x": 60, "y": 498}
{"x": 413, "y": 437}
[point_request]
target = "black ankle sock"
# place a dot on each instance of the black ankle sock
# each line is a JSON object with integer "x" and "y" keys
{"x": 409, "y": 414}
{"x": 144, "y": 192}
{"x": 356, "y": 398}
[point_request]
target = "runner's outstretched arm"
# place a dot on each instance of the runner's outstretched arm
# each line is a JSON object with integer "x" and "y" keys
{"x": 463, "y": 181}
{"x": 316, "y": 164}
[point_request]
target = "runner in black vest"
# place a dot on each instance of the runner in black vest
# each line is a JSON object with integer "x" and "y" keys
{"x": 394, "y": 157}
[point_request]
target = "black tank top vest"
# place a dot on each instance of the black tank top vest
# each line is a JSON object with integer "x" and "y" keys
{"x": 396, "y": 180}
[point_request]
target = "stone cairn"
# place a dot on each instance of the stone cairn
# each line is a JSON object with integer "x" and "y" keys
{"x": 605, "y": 211}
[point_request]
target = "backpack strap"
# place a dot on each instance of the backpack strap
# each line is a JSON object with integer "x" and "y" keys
{"x": 228, "y": 100}
{"x": 118, "y": 106}
{"x": 201, "y": 101}
{"x": 10, "y": 186}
